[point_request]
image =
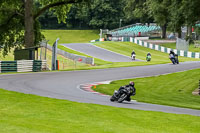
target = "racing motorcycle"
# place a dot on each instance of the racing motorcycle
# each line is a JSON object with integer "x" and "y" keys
{"x": 174, "y": 58}
{"x": 122, "y": 95}
{"x": 133, "y": 56}
{"x": 148, "y": 58}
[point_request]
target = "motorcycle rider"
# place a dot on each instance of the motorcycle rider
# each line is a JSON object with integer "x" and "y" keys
{"x": 174, "y": 57}
{"x": 132, "y": 88}
{"x": 148, "y": 58}
{"x": 172, "y": 52}
{"x": 133, "y": 54}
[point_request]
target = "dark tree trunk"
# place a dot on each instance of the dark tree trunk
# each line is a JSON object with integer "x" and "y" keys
{"x": 179, "y": 32}
{"x": 164, "y": 30}
{"x": 189, "y": 30}
{"x": 29, "y": 24}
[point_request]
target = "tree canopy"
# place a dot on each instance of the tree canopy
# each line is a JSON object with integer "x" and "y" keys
{"x": 170, "y": 14}
{"x": 20, "y": 19}
{"x": 19, "y": 24}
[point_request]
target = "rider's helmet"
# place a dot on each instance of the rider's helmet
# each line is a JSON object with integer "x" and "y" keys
{"x": 131, "y": 83}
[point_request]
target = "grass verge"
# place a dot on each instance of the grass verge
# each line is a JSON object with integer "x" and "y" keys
{"x": 172, "y": 89}
{"x": 34, "y": 114}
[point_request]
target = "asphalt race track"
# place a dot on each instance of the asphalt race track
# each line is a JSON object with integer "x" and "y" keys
{"x": 65, "y": 85}
{"x": 98, "y": 52}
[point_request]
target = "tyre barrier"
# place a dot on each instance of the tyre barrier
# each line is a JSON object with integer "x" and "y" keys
{"x": 23, "y": 66}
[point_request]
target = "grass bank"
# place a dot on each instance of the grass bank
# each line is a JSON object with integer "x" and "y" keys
{"x": 70, "y": 36}
{"x": 22, "y": 113}
{"x": 172, "y": 89}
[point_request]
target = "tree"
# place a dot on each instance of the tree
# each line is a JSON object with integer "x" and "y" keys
{"x": 19, "y": 20}
{"x": 177, "y": 19}
{"x": 106, "y": 13}
{"x": 184, "y": 12}
{"x": 137, "y": 9}
{"x": 149, "y": 11}
{"x": 159, "y": 10}
{"x": 191, "y": 13}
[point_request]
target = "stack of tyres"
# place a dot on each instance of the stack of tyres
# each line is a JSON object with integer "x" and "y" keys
{"x": 37, "y": 65}
{"x": 8, "y": 66}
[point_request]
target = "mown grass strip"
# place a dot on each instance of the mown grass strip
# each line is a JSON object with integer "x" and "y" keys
{"x": 21, "y": 113}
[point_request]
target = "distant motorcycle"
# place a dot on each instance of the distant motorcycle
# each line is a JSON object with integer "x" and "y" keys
{"x": 148, "y": 58}
{"x": 133, "y": 56}
{"x": 174, "y": 58}
{"x": 122, "y": 95}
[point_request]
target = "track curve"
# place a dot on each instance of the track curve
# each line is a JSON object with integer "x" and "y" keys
{"x": 98, "y": 52}
{"x": 64, "y": 85}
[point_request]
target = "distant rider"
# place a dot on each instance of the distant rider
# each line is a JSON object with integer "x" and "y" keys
{"x": 148, "y": 58}
{"x": 133, "y": 54}
{"x": 132, "y": 88}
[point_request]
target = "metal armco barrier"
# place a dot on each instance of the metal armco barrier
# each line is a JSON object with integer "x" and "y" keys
{"x": 23, "y": 66}
{"x": 86, "y": 60}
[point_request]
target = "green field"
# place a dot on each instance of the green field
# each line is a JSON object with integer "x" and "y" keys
{"x": 172, "y": 89}
{"x": 70, "y": 36}
{"x": 25, "y": 113}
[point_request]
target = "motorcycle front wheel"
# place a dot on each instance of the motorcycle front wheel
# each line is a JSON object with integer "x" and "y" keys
{"x": 112, "y": 99}
{"x": 122, "y": 98}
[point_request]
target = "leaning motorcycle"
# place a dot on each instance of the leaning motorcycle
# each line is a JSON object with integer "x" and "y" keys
{"x": 122, "y": 95}
{"x": 174, "y": 58}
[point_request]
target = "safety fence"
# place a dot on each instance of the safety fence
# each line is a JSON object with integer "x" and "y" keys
{"x": 161, "y": 48}
{"x": 74, "y": 57}
{"x": 23, "y": 66}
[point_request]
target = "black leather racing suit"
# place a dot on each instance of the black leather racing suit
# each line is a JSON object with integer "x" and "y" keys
{"x": 132, "y": 88}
